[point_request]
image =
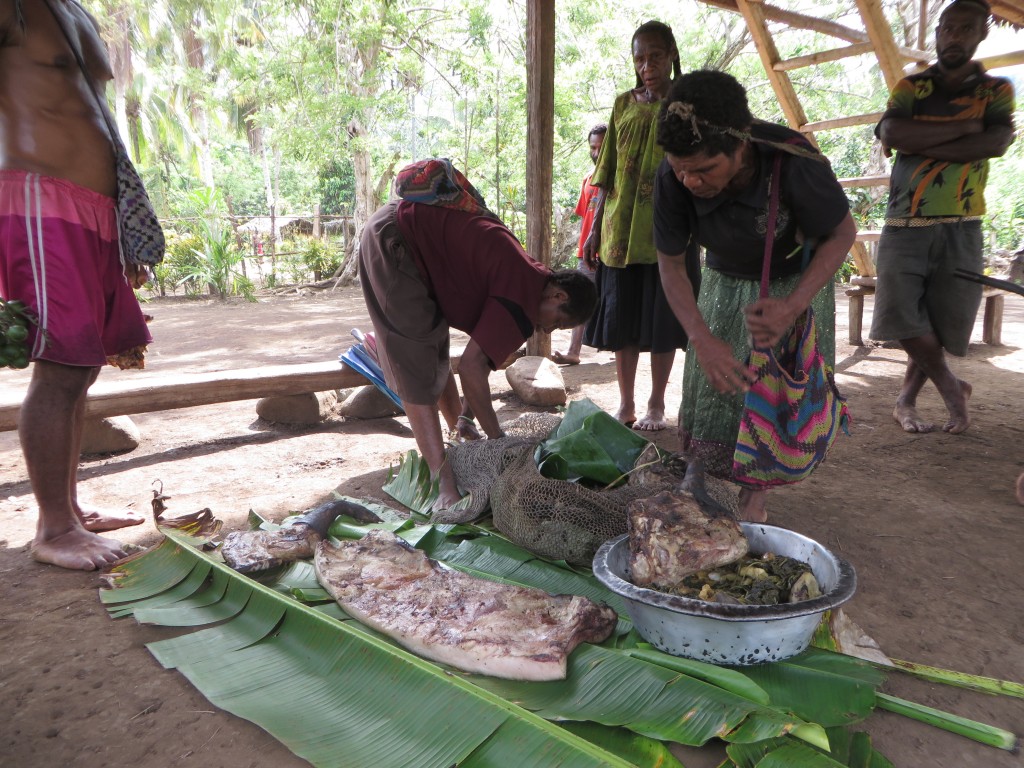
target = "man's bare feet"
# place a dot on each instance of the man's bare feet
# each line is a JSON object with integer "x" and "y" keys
{"x": 752, "y": 506}
{"x": 906, "y": 416}
{"x": 78, "y": 549}
{"x": 566, "y": 358}
{"x": 959, "y": 419}
{"x": 98, "y": 521}
{"x": 654, "y": 421}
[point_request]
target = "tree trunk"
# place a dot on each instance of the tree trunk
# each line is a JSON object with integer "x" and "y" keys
{"x": 365, "y": 203}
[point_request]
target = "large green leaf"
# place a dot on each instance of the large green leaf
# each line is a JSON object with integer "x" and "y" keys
{"x": 322, "y": 688}
{"x": 269, "y": 640}
{"x": 413, "y": 486}
{"x": 590, "y": 445}
{"x": 820, "y": 686}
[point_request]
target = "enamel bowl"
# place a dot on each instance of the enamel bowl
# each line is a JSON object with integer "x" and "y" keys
{"x": 731, "y": 634}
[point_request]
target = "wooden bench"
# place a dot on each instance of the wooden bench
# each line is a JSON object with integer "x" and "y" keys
{"x": 186, "y": 390}
{"x": 992, "y": 321}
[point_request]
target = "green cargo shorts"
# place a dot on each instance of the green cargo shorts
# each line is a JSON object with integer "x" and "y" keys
{"x": 917, "y": 292}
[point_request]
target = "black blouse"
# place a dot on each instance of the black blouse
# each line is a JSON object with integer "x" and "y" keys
{"x": 732, "y": 228}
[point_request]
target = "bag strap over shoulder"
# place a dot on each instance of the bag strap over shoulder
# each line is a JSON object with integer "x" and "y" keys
{"x": 115, "y": 136}
{"x": 774, "y": 182}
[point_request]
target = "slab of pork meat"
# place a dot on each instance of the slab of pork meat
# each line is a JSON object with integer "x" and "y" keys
{"x": 473, "y": 624}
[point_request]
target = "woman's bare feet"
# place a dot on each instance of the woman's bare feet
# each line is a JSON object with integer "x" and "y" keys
{"x": 78, "y": 549}
{"x": 959, "y": 419}
{"x": 98, "y": 521}
{"x": 654, "y": 421}
{"x": 625, "y": 415}
{"x": 906, "y": 416}
{"x": 752, "y": 506}
{"x": 566, "y": 358}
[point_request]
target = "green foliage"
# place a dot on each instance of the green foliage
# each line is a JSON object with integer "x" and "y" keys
{"x": 320, "y": 101}
{"x": 217, "y": 262}
{"x": 321, "y": 258}
{"x": 180, "y": 262}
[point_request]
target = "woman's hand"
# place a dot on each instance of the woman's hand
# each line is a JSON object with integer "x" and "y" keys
{"x": 768, "y": 319}
{"x": 724, "y": 372}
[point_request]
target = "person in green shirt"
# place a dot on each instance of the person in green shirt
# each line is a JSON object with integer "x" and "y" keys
{"x": 633, "y": 314}
{"x": 944, "y": 123}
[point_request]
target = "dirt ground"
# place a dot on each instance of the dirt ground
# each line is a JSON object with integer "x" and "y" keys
{"x": 928, "y": 520}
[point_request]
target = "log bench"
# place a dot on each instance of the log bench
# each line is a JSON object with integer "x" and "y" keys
{"x": 186, "y": 390}
{"x": 992, "y": 321}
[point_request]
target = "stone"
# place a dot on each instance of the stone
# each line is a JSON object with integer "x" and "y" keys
{"x": 117, "y": 434}
{"x": 368, "y": 403}
{"x": 536, "y": 381}
{"x": 308, "y": 408}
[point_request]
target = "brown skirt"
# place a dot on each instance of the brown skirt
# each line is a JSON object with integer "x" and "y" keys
{"x": 412, "y": 334}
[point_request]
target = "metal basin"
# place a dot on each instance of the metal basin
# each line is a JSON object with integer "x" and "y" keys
{"x": 731, "y": 634}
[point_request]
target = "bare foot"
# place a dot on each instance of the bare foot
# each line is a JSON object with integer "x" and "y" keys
{"x": 625, "y": 416}
{"x": 98, "y": 521}
{"x": 752, "y": 506}
{"x": 565, "y": 359}
{"x": 959, "y": 419}
{"x": 1020, "y": 488}
{"x": 906, "y": 416}
{"x": 654, "y": 421}
{"x": 78, "y": 549}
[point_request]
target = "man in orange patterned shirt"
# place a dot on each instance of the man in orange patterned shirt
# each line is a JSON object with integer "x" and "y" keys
{"x": 944, "y": 123}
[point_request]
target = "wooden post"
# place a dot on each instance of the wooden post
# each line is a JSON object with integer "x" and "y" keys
{"x": 540, "y": 89}
{"x": 992, "y": 323}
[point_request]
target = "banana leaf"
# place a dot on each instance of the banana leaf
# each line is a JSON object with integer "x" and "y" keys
{"x": 846, "y": 749}
{"x": 413, "y": 486}
{"x": 309, "y": 681}
{"x": 589, "y": 445}
{"x": 255, "y": 643}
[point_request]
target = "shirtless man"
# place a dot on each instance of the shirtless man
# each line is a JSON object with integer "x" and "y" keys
{"x": 59, "y": 255}
{"x": 945, "y": 123}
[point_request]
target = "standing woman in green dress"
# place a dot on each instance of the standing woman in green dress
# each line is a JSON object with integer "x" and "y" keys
{"x": 634, "y": 315}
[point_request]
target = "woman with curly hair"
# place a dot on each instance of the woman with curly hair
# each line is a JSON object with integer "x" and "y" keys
{"x": 633, "y": 314}
{"x": 713, "y": 190}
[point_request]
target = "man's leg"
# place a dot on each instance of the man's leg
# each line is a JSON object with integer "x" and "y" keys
{"x": 456, "y": 413}
{"x": 905, "y": 411}
{"x": 626, "y": 360}
{"x": 927, "y": 355}
{"x": 661, "y": 369}
{"x": 427, "y": 430}
{"x": 47, "y": 430}
{"x": 94, "y": 520}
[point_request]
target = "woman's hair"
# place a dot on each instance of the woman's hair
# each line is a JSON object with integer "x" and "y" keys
{"x": 664, "y": 31}
{"x": 582, "y": 294}
{"x": 705, "y": 111}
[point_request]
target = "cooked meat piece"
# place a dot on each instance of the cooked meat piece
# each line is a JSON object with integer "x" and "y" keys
{"x": 473, "y": 624}
{"x": 670, "y": 538}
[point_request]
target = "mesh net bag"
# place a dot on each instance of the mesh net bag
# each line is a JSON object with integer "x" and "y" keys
{"x": 478, "y": 463}
{"x": 556, "y": 519}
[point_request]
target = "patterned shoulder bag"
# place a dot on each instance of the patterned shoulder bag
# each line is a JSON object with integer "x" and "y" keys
{"x": 140, "y": 236}
{"x": 793, "y": 411}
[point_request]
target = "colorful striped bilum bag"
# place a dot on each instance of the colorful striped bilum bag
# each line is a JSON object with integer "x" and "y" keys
{"x": 793, "y": 411}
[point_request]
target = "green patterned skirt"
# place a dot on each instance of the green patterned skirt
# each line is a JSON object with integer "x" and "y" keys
{"x": 709, "y": 421}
